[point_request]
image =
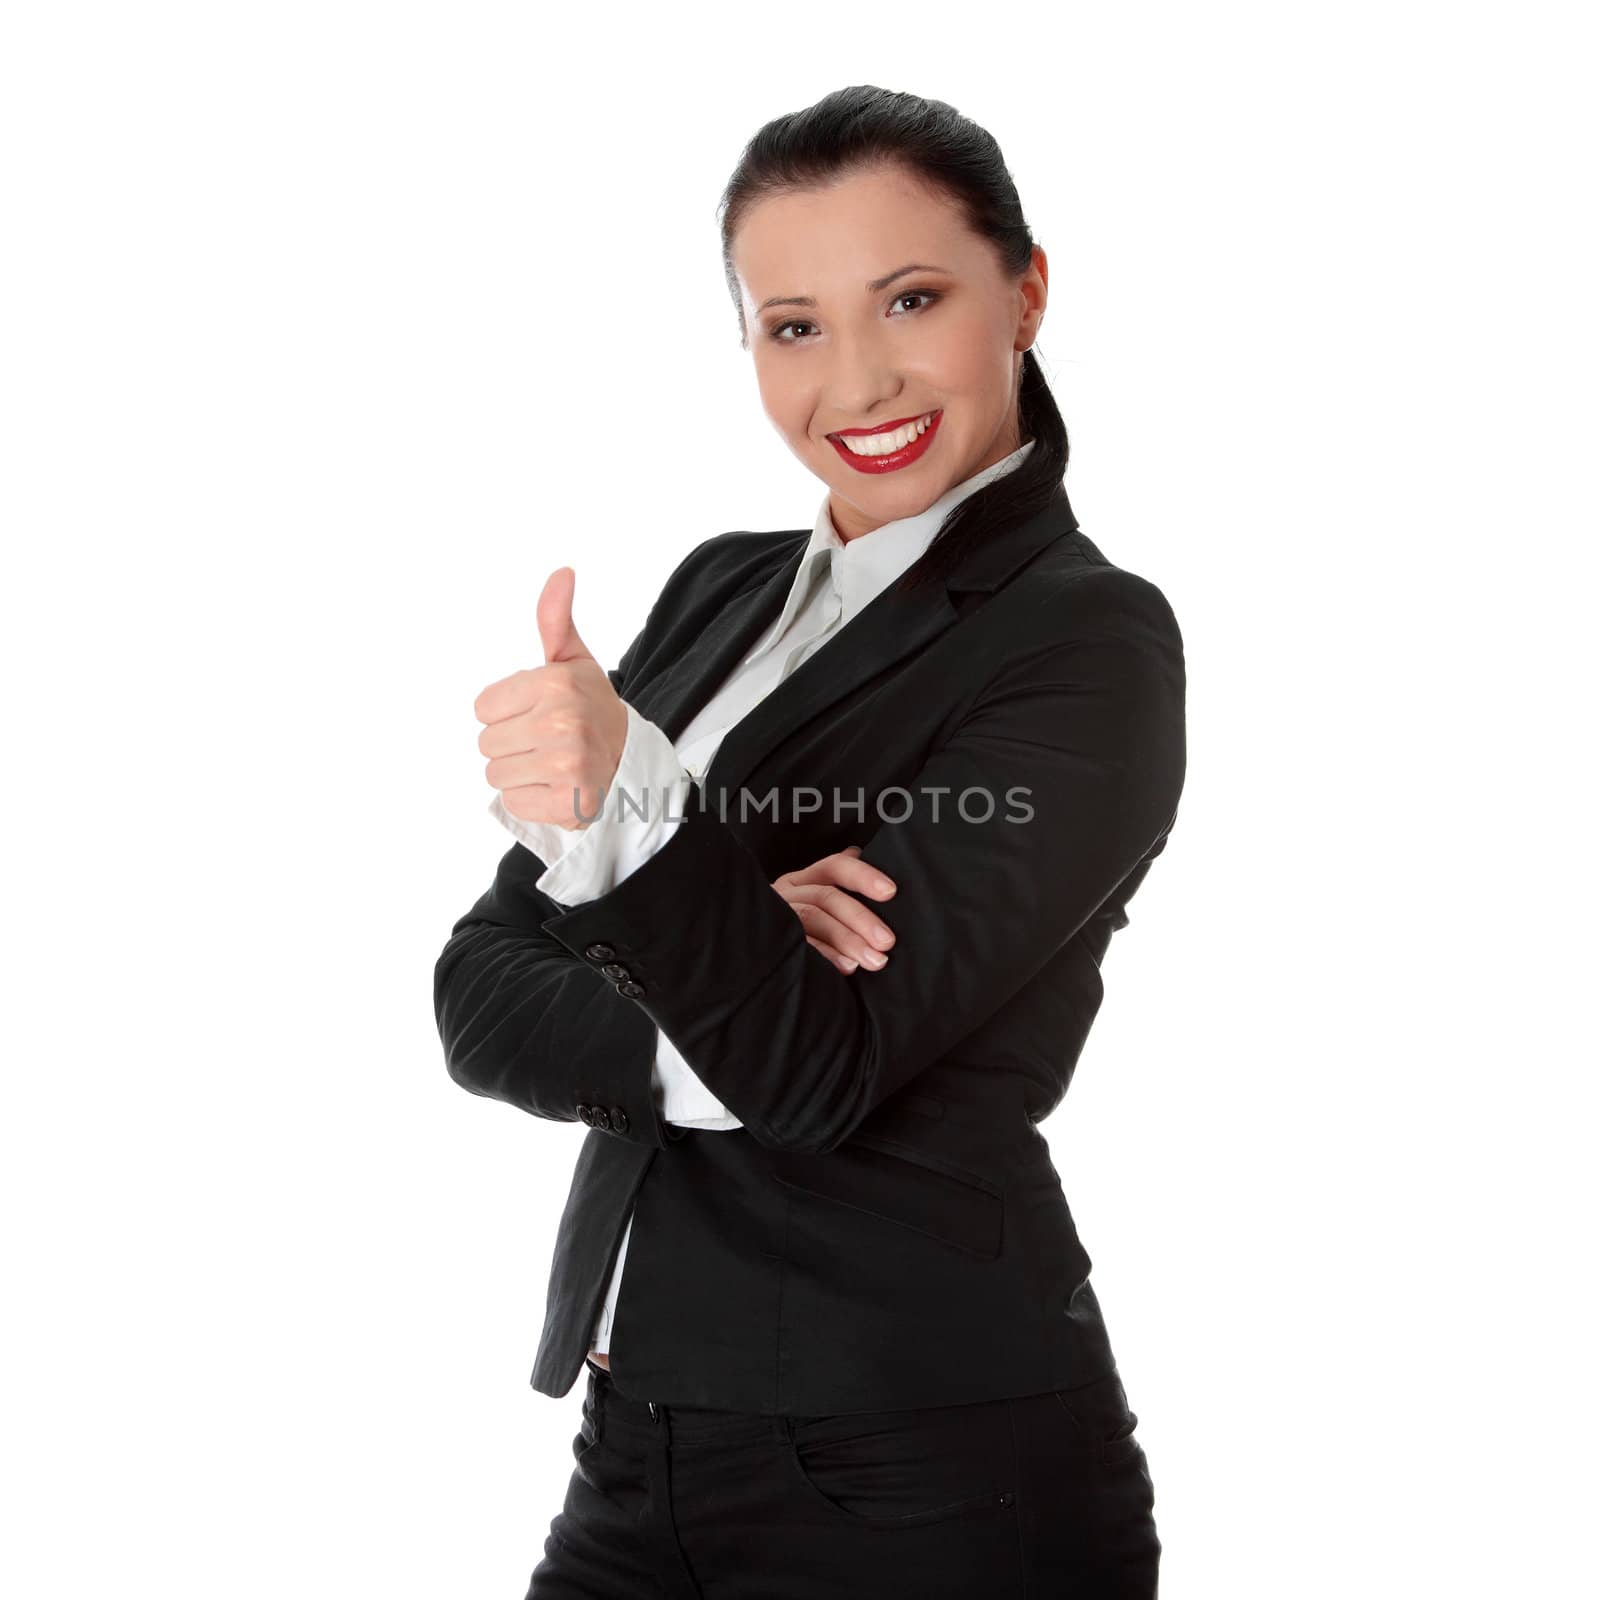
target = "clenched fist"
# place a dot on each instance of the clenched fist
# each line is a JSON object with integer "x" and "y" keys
{"x": 553, "y": 734}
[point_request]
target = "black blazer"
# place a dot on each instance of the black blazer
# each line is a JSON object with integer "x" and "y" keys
{"x": 887, "y": 1228}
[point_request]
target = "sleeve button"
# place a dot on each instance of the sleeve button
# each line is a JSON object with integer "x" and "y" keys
{"x": 599, "y": 952}
{"x": 631, "y": 989}
{"x": 619, "y": 1120}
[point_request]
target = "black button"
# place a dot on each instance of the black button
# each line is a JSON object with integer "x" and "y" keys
{"x": 619, "y": 1119}
{"x": 585, "y": 1113}
{"x": 601, "y": 1119}
{"x": 614, "y": 970}
{"x": 631, "y": 989}
{"x": 599, "y": 952}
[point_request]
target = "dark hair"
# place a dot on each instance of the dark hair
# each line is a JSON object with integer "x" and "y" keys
{"x": 863, "y": 126}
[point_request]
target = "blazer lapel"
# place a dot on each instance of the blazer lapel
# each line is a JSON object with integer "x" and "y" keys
{"x": 894, "y": 625}
{"x": 671, "y": 699}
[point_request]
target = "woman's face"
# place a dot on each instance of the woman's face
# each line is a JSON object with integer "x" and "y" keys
{"x": 838, "y": 345}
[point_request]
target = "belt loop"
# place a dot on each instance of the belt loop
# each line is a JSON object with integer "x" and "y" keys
{"x": 781, "y": 1430}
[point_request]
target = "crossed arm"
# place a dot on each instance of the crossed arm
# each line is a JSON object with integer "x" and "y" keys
{"x": 1088, "y": 726}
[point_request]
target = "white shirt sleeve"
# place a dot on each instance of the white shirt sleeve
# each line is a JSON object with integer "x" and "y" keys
{"x": 639, "y": 811}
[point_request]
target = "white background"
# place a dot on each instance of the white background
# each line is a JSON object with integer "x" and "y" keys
{"x": 330, "y": 330}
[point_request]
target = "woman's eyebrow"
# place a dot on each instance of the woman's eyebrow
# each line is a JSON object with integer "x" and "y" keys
{"x": 872, "y": 288}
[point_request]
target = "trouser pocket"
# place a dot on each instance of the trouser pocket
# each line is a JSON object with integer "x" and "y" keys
{"x": 902, "y": 1469}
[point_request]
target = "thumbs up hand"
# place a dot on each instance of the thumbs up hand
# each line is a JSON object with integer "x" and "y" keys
{"x": 553, "y": 734}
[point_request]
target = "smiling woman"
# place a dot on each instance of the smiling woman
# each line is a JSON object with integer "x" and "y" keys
{"x": 894, "y": 386}
{"x": 840, "y": 1331}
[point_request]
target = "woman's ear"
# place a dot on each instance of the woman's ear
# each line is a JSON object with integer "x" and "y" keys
{"x": 1034, "y": 289}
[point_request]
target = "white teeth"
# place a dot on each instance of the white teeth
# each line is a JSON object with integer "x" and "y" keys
{"x": 882, "y": 444}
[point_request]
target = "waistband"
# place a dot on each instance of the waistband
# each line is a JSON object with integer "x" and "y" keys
{"x": 682, "y": 1424}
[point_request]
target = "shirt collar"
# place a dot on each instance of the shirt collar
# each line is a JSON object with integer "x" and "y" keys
{"x": 860, "y": 569}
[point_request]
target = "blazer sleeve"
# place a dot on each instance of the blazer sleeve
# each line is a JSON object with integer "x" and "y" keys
{"x": 1081, "y": 734}
{"x": 523, "y": 1021}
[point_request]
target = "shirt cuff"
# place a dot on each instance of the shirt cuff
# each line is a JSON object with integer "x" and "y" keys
{"x": 680, "y": 1096}
{"x": 638, "y": 813}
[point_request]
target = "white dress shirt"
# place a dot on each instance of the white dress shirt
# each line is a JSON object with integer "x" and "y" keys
{"x": 646, "y": 797}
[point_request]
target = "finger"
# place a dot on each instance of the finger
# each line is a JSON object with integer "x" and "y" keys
{"x": 861, "y": 877}
{"x": 845, "y": 908}
{"x": 875, "y": 937}
{"x": 843, "y": 963}
{"x": 847, "y": 870}
{"x": 557, "y": 632}
{"x": 829, "y": 919}
{"x": 510, "y": 736}
{"x": 508, "y": 697}
{"x": 552, "y": 767}
{"x": 868, "y": 934}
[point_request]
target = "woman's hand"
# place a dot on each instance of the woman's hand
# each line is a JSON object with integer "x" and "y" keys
{"x": 553, "y": 729}
{"x": 845, "y": 931}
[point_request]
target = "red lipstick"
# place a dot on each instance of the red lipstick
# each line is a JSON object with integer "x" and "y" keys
{"x": 896, "y": 459}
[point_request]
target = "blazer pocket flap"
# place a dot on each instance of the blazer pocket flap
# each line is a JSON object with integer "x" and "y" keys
{"x": 908, "y": 1188}
{"x": 916, "y": 1128}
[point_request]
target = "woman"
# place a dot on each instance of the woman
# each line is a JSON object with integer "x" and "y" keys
{"x": 883, "y": 789}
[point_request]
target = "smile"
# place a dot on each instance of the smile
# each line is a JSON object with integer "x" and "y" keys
{"x": 890, "y": 448}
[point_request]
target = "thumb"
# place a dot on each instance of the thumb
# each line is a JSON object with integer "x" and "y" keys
{"x": 554, "y": 612}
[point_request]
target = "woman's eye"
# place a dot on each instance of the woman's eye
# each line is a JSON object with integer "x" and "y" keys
{"x": 779, "y": 330}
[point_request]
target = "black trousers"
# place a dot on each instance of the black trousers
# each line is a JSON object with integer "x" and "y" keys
{"x": 1014, "y": 1499}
